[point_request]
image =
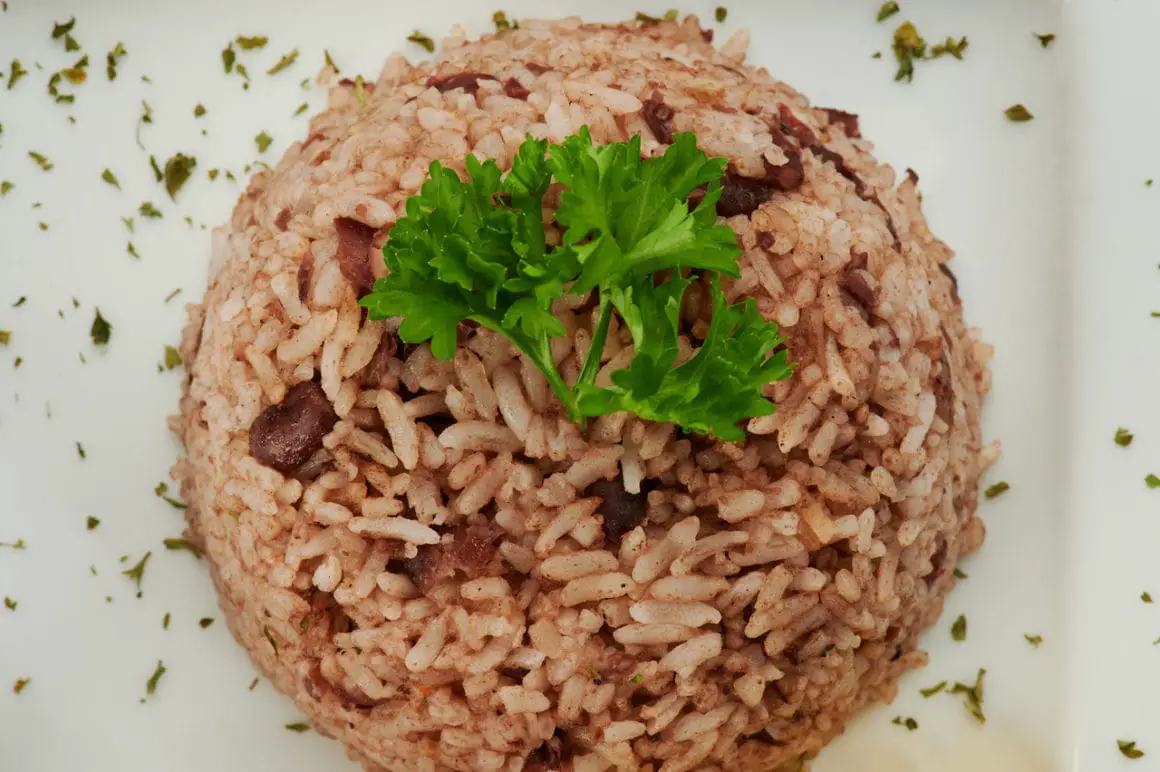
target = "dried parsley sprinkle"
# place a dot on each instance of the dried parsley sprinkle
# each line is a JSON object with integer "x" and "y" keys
{"x": 887, "y": 10}
{"x": 42, "y": 225}
{"x": 18, "y": 687}
{"x": 228, "y": 58}
{"x": 908, "y": 46}
{"x": 329, "y": 61}
{"x": 132, "y": 250}
{"x": 165, "y": 621}
{"x": 62, "y": 30}
{"x": 212, "y": 174}
{"x": 298, "y": 727}
{"x": 1034, "y": 640}
{"x": 500, "y": 20}
{"x": 301, "y": 109}
{"x": 151, "y": 684}
{"x": 1152, "y": 481}
{"x": 1146, "y": 597}
{"x": 92, "y": 522}
{"x": 111, "y": 60}
{"x": 933, "y": 690}
{"x": 973, "y": 696}
{"x": 173, "y": 294}
{"x": 998, "y": 489}
{"x": 177, "y": 171}
{"x": 41, "y": 160}
{"x": 16, "y": 545}
{"x": 1129, "y": 749}
{"x": 146, "y": 117}
{"x": 101, "y": 330}
{"x": 263, "y": 141}
{"x": 172, "y": 358}
{"x": 204, "y": 622}
{"x": 16, "y": 73}
{"x": 158, "y": 175}
{"x": 6, "y": 186}
{"x": 720, "y": 13}
{"x": 907, "y": 722}
{"x": 283, "y": 63}
{"x": 959, "y": 628}
{"x": 198, "y": 110}
{"x": 80, "y": 447}
{"x": 1044, "y": 40}
{"x": 950, "y": 47}
{"x": 5, "y": 337}
{"x": 636, "y": 678}
{"x": 251, "y": 43}
{"x": 162, "y": 491}
{"x": 253, "y": 685}
{"x": 148, "y": 210}
{"x": 76, "y": 74}
{"x": 137, "y": 572}
{"x": 1124, "y": 437}
{"x": 1018, "y": 114}
{"x": 960, "y": 573}
{"x": 421, "y": 40}
{"x": 110, "y": 178}
{"x": 10, "y": 604}
{"x": 181, "y": 544}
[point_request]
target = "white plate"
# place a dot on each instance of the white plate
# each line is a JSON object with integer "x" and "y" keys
{"x": 1068, "y": 549}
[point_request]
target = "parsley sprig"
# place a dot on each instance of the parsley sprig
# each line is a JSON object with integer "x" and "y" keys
{"x": 476, "y": 250}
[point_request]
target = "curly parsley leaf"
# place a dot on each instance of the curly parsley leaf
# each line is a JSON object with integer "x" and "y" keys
{"x": 475, "y": 250}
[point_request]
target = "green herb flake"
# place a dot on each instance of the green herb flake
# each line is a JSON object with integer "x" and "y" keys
{"x": 876, "y": 55}
{"x": 146, "y": 117}
{"x": 908, "y": 46}
{"x": 101, "y": 330}
{"x": 137, "y": 572}
{"x": 61, "y": 29}
{"x": 6, "y": 186}
{"x": 253, "y": 685}
{"x": 907, "y": 722}
{"x": 1034, "y": 640}
{"x": 1152, "y": 481}
{"x": 81, "y": 448}
{"x": 41, "y": 160}
{"x": 181, "y": 544}
{"x": 162, "y": 492}
{"x": 326, "y": 58}
{"x": 625, "y": 219}
{"x": 671, "y": 15}
{"x": 198, "y": 110}
{"x": 251, "y": 43}
{"x": 933, "y": 690}
{"x": 42, "y": 225}
{"x": 263, "y": 141}
{"x": 360, "y": 92}
{"x": 636, "y": 678}
{"x": 298, "y": 727}
{"x": 951, "y": 47}
{"x": 1018, "y": 114}
{"x": 91, "y": 522}
{"x": 960, "y": 573}
{"x": 228, "y": 58}
{"x": 111, "y": 60}
{"x": 996, "y": 490}
{"x": 270, "y": 638}
{"x": 132, "y": 250}
{"x": 421, "y": 40}
{"x": 283, "y": 63}
{"x": 1124, "y": 437}
{"x": 245, "y": 75}
{"x": 177, "y": 171}
{"x": 1044, "y": 40}
{"x": 10, "y": 604}
{"x": 20, "y": 301}
{"x": 720, "y": 13}
{"x": 500, "y": 20}
{"x": 959, "y": 628}
{"x": 110, "y": 178}
{"x": 1129, "y": 749}
{"x": 172, "y": 358}
{"x": 16, "y": 72}
{"x": 172, "y": 295}
{"x": 1146, "y": 597}
{"x": 230, "y": 176}
{"x": 165, "y": 621}
{"x": 301, "y": 109}
{"x": 887, "y": 10}
{"x": 972, "y": 696}
{"x": 5, "y": 337}
{"x": 148, "y": 210}
{"x": 18, "y": 687}
{"x": 204, "y": 622}
{"x": 645, "y": 18}
{"x": 17, "y": 362}
{"x": 151, "y": 684}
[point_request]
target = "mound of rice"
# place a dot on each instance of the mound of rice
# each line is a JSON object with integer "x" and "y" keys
{"x": 446, "y": 574}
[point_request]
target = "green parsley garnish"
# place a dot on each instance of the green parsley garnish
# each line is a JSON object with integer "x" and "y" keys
{"x": 1129, "y": 749}
{"x": 253, "y": 685}
{"x": 91, "y": 522}
{"x": 1124, "y": 437}
{"x": 283, "y": 63}
{"x": 77, "y": 74}
{"x": 500, "y": 20}
{"x": 1146, "y": 597}
{"x": 16, "y": 74}
{"x": 6, "y": 186}
{"x": 137, "y": 572}
{"x": 1152, "y": 481}
{"x": 998, "y": 489}
{"x": 1044, "y": 40}
{"x": 959, "y": 628}
{"x": 177, "y": 171}
{"x": 298, "y": 727}
{"x": 146, "y": 117}
{"x": 1018, "y": 114}
{"x": 1148, "y": 182}
{"x": 212, "y": 174}
{"x": 62, "y": 30}
{"x": 720, "y": 13}
{"x": 181, "y": 544}
{"x": 421, "y": 40}
{"x": 18, "y": 687}
{"x": 172, "y": 358}
{"x": 951, "y": 47}
{"x": 960, "y": 573}
{"x": 132, "y": 250}
{"x": 228, "y": 58}
{"x": 111, "y": 60}
{"x": 148, "y": 210}
{"x": 1034, "y": 640}
{"x": 42, "y": 225}
{"x": 973, "y": 696}
{"x": 636, "y": 678}
{"x": 476, "y": 250}
{"x": 933, "y": 690}
{"x": 110, "y": 178}
{"x": 151, "y": 684}
{"x": 10, "y": 604}
{"x": 908, "y": 46}
{"x": 251, "y": 43}
{"x": 887, "y": 10}
{"x": 101, "y": 330}
{"x": 158, "y": 175}
{"x": 5, "y": 337}
{"x": 198, "y": 110}
{"x": 162, "y": 491}
{"x": 263, "y": 141}
{"x": 907, "y": 722}
{"x": 173, "y": 294}
{"x": 204, "y": 622}
{"x": 329, "y": 62}
{"x": 165, "y": 621}
{"x": 16, "y": 545}
{"x": 41, "y": 160}
{"x": 301, "y": 109}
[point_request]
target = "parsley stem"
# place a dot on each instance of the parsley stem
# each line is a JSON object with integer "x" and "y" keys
{"x": 596, "y": 347}
{"x": 540, "y": 352}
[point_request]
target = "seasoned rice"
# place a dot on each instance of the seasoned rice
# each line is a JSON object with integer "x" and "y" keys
{"x": 446, "y": 574}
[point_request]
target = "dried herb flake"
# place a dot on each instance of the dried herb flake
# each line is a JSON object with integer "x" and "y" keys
{"x": 907, "y": 722}
{"x": 959, "y": 628}
{"x": 110, "y": 178}
{"x": 301, "y": 109}
{"x": 204, "y": 622}
{"x": 1034, "y": 640}
{"x": 263, "y": 141}
{"x": 500, "y": 20}
{"x": 298, "y": 727}
{"x": 111, "y": 60}
{"x": 423, "y": 41}
{"x": 151, "y": 684}
{"x": 973, "y": 696}
{"x": 998, "y": 489}
{"x": 1129, "y": 749}
{"x": 18, "y": 687}
{"x": 1124, "y": 437}
{"x": 92, "y": 522}
{"x": 1152, "y": 481}
{"x": 17, "y": 72}
{"x": 177, "y": 171}
{"x": 251, "y": 43}
{"x": 1044, "y": 40}
{"x": 1018, "y": 114}
{"x": 137, "y": 572}
{"x": 41, "y": 160}
{"x": 101, "y": 330}
{"x": 181, "y": 544}
{"x": 887, "y": 10}
{"x": 283, "y": 63}
{"x": 10, "y": 604}
{"x": 933, "y": 690}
